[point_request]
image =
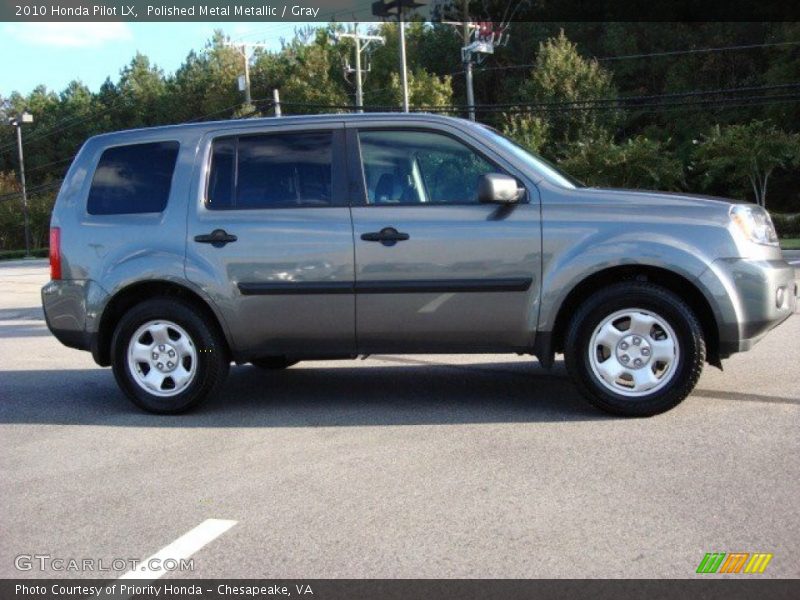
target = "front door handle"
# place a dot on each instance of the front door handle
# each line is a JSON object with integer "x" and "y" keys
{"x": 217, "y": 238}
{"x": 388, "y": 236}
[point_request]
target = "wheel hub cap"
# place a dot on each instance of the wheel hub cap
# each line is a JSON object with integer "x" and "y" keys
{"x": 634, "y": 351}
{"x": 162, "y": 358}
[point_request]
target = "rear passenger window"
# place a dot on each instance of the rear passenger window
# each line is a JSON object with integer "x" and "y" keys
{"x": 133, "y": 179}
{"x": 271, "y": 171}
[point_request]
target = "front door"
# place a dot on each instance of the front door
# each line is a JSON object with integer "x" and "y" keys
{"x": 271, "y": 240}
{"x": 435, "y": 269}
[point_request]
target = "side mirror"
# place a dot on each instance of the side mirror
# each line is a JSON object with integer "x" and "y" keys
{"x": 498, "y": 189}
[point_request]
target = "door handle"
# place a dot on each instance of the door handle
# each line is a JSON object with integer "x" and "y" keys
{"x": 388, "y": 236}
{"x": 217, "y": 238}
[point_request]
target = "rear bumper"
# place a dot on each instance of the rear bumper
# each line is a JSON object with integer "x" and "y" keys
{"x": 68, "y": 314}
{"x": 752, "y": 297}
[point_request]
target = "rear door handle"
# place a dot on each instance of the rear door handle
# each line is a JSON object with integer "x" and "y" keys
{"x": 217, "y": 238}
{"x": 388, "y": 236}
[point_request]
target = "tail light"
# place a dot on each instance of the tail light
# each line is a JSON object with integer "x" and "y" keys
{"x": 55, "y": 253}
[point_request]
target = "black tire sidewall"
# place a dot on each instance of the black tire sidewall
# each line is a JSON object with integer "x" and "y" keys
{"x": 211, "y": 361}
{"x": 667, "y": 306}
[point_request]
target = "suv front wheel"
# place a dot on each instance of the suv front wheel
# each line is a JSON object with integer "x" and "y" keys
{"x": 166, "y": 357}
{"x": 635, "y": 349}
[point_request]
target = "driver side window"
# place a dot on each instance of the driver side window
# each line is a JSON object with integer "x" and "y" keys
{"x": 418, "y": 167}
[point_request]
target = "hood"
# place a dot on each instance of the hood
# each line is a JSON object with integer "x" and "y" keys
{"x": 660, "y": 198}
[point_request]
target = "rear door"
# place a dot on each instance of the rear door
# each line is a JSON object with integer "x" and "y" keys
{"x": 270, "y": 238}
{"x": 435, "y": 269}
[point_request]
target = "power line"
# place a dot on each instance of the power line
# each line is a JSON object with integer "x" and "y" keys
{"x": 647, "y": 55}
{"x": 66, "y": 124}
{"x": 34, "y": 190}
{"x": 567, "y": 107}
{"x": 656, "y": 107}
{"x": 265, "y": 105}
{"x": 50, "y": 164}
{"x": 359, "y": 72}
{"x": 704, "y": 104}
{"x": 631, "y": 99}
{"x": 698, "y": 51}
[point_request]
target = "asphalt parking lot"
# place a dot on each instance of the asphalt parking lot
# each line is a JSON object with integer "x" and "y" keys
{"x": 434, "y": 466}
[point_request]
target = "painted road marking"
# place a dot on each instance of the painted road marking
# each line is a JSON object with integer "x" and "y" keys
{"x": 183, "y": 547}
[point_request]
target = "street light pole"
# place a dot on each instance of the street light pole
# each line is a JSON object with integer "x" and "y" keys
{"x": 24, "y": 117}
{"x": 384, "y": 8}
{"x": 467, "y": 59}
{"x": 403, "y": 70}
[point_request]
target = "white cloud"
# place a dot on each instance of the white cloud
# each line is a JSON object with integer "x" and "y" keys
{"x": 69, "y": 35}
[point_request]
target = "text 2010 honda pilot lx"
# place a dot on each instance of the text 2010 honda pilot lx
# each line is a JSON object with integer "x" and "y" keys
{"x": 176, "y": 250}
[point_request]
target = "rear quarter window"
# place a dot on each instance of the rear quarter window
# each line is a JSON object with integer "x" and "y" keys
{"x": 133, "y": 179}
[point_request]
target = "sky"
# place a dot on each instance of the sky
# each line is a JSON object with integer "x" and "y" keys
{"x": 54, "y": 54}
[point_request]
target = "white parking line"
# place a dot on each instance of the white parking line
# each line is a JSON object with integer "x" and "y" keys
{"x": 152, "y": 567}
{"x": 183, "y": 547}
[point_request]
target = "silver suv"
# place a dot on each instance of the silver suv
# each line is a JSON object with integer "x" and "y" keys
{"x": 177, "y": 250}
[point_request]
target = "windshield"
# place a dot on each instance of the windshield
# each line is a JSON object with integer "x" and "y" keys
{"x": 538, "y": 165}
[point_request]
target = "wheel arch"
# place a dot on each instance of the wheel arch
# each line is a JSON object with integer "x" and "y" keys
{"x": 135, "y": 293}
{"x": 680, "y": 285}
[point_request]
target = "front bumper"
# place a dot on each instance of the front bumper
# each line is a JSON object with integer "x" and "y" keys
{"x": 751, "y": 297}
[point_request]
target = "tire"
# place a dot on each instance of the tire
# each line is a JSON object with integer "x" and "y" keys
{"x": 273, "y": 363}
{"x": 169, "y": 341}
{"x": 659, "y": 357}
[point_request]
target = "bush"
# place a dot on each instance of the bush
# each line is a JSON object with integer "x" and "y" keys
{"x": 14, "y": 254}
{"x": 528, "y": 131}
{"x": 12, "y": 221}
{"x": 787, "y": 226}
{"x": 636, "y": 163}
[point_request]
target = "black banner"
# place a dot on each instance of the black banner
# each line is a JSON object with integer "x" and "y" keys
{"x": 734, "y": 588}
{"x": 372, "y": 10}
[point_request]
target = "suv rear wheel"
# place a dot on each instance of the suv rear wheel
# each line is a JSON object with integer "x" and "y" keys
{"x": 166, "y": 357}
{"x": 635, "y": 349}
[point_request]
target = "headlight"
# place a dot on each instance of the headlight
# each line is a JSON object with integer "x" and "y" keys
{"x": 754, "y": 223}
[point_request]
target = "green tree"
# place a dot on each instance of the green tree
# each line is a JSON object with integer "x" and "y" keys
{"x": 427, "y": 48}
{"x": 424, "y": 89}
{"x": 636, "y": 163}
{"x": 308, "y": 70}
{"x": 747, "y": 154}
{"x": 206, "y": 83}
{"x": 561, "y": 74}
{"x": 528, "y": 131}
{"x": 142, "y": 88}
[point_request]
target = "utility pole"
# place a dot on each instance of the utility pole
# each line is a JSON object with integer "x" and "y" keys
{"x": 384, "y": 8}
{"x": 23, "y": 117}
{"x": 242, "y": 48}
{"x": 479, "y": 39}
{"x": 357, "y": 38}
